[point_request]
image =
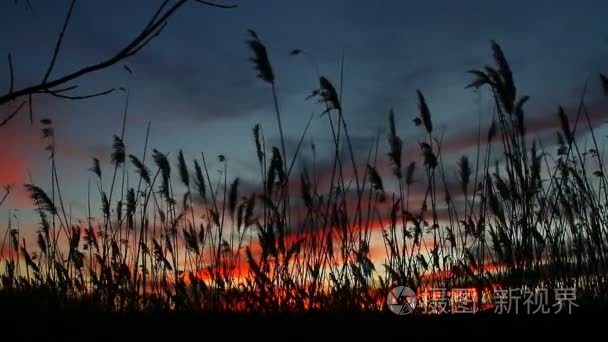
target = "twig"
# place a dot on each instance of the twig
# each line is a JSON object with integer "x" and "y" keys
{"x": 59, "y": 40}
{"x": 31, "y": 108}
{"x": 10, "y": 65}
{"x": 155, "y": 16}
{"x": 7, "y": 190}
{"x": 214, "y": 4}
{"x": 8, "y": 118}
{"x": 61, "y": 90}
{"x": 148, "y": 40}
{"x": 81, "y": 97}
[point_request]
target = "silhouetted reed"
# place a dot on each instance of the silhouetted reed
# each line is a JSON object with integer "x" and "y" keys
{"x": 517, "y": 214}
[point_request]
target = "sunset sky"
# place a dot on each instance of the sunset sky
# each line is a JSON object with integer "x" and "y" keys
{"x": 197, "y": 88}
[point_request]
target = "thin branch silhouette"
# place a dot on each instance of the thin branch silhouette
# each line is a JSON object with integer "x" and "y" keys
{"x": 152, "y": 30}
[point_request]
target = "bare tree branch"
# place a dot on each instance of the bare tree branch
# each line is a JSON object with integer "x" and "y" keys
{"x": 59, "y": 40}
{"x": 153, "y": 28}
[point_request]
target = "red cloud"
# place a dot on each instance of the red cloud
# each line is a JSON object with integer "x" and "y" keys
{"x": 17, "y": 144}
{"x": 535, "y": 126}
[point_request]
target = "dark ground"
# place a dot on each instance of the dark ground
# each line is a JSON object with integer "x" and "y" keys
{"x": 39, "y": 316}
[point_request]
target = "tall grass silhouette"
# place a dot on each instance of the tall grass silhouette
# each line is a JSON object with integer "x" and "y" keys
{"x": 295, "y": 244}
